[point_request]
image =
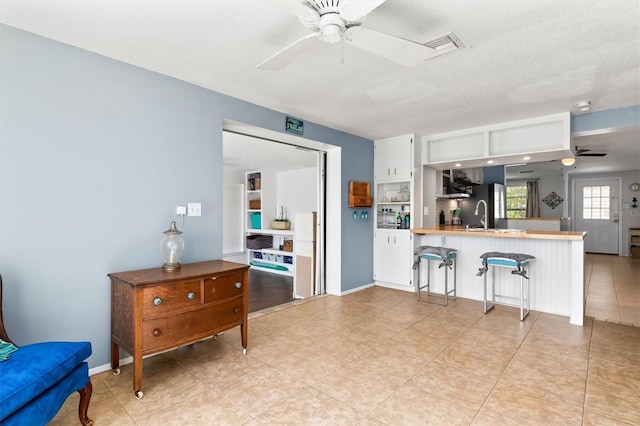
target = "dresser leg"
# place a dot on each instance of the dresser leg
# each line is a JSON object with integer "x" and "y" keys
{"x": 243, "y": 334}
{"x": 137, "y": 376}
{"x": 115, "y": 357}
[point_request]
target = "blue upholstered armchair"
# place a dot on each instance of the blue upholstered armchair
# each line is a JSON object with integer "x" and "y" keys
{"x": 36, "y": 379}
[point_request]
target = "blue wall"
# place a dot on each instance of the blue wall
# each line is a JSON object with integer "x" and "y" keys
{"x": 94, "y": 156}
{"x": 611, "y": 118}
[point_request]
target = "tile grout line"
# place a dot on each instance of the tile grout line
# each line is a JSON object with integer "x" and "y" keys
{"x": 505, "y": 368}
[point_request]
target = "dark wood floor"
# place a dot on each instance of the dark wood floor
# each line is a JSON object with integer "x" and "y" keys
{"x": 268, "y": 290}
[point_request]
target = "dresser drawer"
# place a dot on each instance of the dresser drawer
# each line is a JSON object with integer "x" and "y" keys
{"x": 159, "y": 333}
{"x": 163, "y": 299}
{"x": 223, "y": 287}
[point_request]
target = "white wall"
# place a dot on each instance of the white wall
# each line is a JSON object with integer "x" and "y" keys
{"x": 547, "y": 185}
{"x": 297, "y": 190}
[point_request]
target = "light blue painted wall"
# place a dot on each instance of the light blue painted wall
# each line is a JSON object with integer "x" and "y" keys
{"x": 611, "y": 118}
{"x": 94, "y": 156}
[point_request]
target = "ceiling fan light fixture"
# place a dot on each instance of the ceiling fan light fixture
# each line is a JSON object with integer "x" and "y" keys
{"x": 569, "y": 161}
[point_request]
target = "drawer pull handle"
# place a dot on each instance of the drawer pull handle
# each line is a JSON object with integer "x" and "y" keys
{"x": 157, "y": 301}
{"x": 157, "y": 332}
{"x": 236, "y": 310}
{"x": 191, "y": 295}
{"x": 238, "y": 284}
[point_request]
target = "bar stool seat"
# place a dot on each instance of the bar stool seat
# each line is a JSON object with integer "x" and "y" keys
{"x": 447, "y": 258}
{"x": 520, "y": 264}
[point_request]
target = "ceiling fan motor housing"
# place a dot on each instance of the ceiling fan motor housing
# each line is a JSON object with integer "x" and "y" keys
{"x": 331, "y": 26}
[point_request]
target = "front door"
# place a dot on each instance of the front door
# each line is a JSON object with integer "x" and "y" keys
{"x": 597, "y": 213}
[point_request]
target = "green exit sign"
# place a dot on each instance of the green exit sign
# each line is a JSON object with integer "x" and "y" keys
{"x": 293, "y": 125}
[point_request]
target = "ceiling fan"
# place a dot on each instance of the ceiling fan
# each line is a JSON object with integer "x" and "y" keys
{"x": 583, "y": 152}
{"x": 335, "y": 20}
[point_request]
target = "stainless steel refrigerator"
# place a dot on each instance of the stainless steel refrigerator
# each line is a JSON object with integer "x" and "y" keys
{"x": 494, "y": 194}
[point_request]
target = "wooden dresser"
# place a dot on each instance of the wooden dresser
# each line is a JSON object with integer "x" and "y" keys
{"x": 154, "y": 310}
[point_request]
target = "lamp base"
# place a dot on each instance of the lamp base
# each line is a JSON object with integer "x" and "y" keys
{"x": 171, "y": 266}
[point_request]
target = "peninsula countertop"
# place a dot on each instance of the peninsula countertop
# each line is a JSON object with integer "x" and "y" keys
{"x": 460, "y": 230}
{"x": 556, "y": 275}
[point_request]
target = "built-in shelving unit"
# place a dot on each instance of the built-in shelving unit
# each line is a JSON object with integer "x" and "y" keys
{"x": 269, "y": 259}
{"x": 393, "y": 166}
{"x": 634, "y": 242}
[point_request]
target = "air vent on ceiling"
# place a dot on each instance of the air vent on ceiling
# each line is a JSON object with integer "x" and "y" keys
{"x": 445, "y": 44}
{"x": 526, "y": 171}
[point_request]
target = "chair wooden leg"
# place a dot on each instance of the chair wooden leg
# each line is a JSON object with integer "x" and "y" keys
{"x": 83, "y": 407}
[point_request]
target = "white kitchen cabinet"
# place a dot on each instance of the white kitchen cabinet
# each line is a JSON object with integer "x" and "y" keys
{"x": 549, "y": 137}
{"x": 393, "y": 257}
{"x": 393, "y": 158}
{"x": 394, "y": 195}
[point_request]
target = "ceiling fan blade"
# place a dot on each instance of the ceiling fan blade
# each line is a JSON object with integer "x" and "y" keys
{"x": 289, "y": 53}
{"x": 396, "y": 49}
{"x": 307, "y": 16}
{"x": 357, "y": 10}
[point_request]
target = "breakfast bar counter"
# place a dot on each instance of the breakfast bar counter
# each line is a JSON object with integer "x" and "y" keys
{"x": 557, "y": 277}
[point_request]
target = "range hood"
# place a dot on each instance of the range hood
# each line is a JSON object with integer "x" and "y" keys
{"x": 456, "y": 185}
{"x": 455, "y": 196}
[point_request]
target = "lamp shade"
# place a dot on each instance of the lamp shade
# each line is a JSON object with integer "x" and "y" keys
{"x": 568, "y": 161}
{"x": 172, "y": 247}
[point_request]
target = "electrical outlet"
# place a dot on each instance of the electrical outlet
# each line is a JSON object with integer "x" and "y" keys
{"x": 194, "y": 209}
{"x": 181, "y": 210}
{"x": 443, "y": 241}
{"x": 426, "y": 211}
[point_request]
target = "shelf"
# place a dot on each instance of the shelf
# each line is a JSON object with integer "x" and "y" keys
{"x": 394, "y": 203}
{"x": 270, "y": 231}
{"x": 272, "y": 271}
{"x": 274, "y": 251}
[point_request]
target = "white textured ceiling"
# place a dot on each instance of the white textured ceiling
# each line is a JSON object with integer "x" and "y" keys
{"x": 523, "y": 58}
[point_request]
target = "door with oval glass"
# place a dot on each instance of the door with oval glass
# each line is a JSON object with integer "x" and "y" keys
{"x": 596, "y": 211}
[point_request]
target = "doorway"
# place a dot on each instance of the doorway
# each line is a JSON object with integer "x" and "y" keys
{"x": 292, "y": 180}
{"x": 596, "y": 212}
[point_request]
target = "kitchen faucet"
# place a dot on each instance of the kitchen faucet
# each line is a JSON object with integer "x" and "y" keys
{"x": 483, "y": 221}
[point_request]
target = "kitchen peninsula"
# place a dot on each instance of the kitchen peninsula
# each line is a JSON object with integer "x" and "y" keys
{"x": 557, "y": 276}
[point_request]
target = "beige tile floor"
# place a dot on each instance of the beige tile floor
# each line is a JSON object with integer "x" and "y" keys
{"x": 379, "y": 357}
{"x": 613, "y": 288}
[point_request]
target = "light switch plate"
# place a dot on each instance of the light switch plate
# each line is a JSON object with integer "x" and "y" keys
{"x": 194, "y": 209}
{"x": 181, "y": 210}
{"x": 425, "y": 211}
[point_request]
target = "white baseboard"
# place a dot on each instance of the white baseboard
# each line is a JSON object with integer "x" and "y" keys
{"x": 395, "y": 286}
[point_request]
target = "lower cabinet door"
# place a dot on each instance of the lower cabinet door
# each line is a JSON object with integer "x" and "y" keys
{"x": 392, "y": 256}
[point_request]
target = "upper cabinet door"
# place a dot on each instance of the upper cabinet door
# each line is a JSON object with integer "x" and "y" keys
{"x": 393, "y": 158}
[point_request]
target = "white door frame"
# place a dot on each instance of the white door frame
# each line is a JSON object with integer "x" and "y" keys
{"x": 332, "y": 281}
{"x": 618, "y": 206}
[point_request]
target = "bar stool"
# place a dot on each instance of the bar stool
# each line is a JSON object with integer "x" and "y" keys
{"x": 447, "y": 258}
{"x": 520, "y": 263}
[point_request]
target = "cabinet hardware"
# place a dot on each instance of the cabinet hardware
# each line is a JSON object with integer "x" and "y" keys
{"x": 191, "y": 295}
{"x": 157, "y": 332}
{"x": 238, "y": 284}
{"x": 157, "y": 301}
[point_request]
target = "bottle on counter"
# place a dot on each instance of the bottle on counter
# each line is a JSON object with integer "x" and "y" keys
{"x": 399, "y": 221}
{"x": 441, "y": 217}
{"x": 407, "y": 221}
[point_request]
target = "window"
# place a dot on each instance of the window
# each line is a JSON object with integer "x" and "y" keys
{"x": 516, "y": 201}
{"x": 596, "y": 202}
